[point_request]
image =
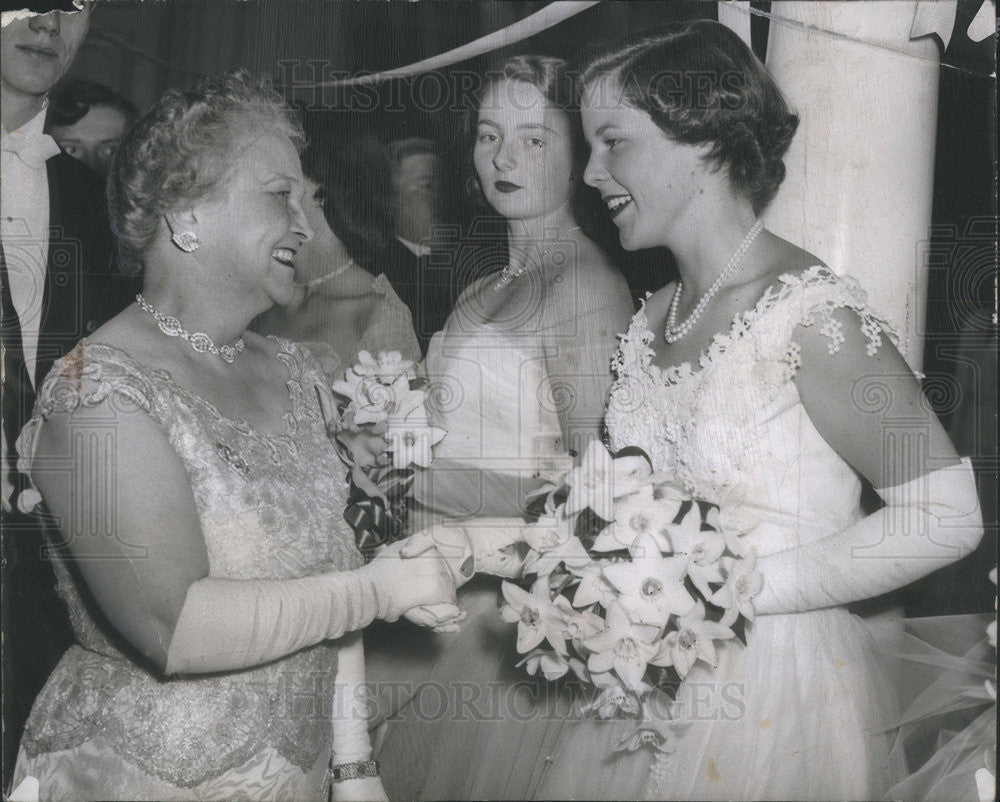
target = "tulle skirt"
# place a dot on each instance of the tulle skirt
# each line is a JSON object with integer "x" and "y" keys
{"x": 809, "y": 709}
{"x": 947, "y": 731}
{"x": 803, "y": 711}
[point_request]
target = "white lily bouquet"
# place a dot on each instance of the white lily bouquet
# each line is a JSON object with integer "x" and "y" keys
{"x": 377, "y": 418}
{"x": 628, "y": 582}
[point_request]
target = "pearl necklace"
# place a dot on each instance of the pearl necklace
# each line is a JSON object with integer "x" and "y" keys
{"x": 672, "y": 332}
{"x": 200, "y": 342}
{"x": 316, "y": 282}
{"x": 508, "y": 274}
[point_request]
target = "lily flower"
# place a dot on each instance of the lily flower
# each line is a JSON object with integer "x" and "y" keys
{"x": 651, "y": 586}
{"x": 538, "y": 618}
{"x": 742, "y": 584}
{"x": 736, "y": 516}
{"x": 593, "y": 588}
{"x": 686, "y": 533}
{"x": 553, "y": 482}
{"x": 364, "y": 448}
{"x": 591, "y": 483}
{"x": 658, "y": 729}
{"x": 613, "y": 697}
{"x": 552, "y": 665}
{"x": 703, "y": 548}
{"x": 410, "y": 433}
{"x": 581, "y": 625}
{"x": 629, "y": 473}
{"x": 694, "y": 639}
{"x": 624, "y": 646}
{"x": 371, "y": 401}
{"x": 668, "y": 493}
{"x": 639, "y": 514}
{"x": 552, "y": 541}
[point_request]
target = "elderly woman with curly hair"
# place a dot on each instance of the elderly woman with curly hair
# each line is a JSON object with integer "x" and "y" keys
{"x": 338, "y": 308}
{"x": 195, "y": 503}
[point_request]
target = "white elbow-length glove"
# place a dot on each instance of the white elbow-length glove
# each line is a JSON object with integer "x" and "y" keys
{"x": 473, "y": 547}
{"x": 925, "y": 524}
{"x": 351, "y": 741}
{"x": 228, "y": 624}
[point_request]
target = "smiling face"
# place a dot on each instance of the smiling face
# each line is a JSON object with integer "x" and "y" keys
{"x": 254, "y": 225}
{"x": 93, "y": 138}
{"x": 36, "y": 51}
{"x": 647, "y": 180}
{"x": 523, "y": 152}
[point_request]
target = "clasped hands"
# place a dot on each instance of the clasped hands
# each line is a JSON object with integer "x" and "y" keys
{"x": 427, "y": 569}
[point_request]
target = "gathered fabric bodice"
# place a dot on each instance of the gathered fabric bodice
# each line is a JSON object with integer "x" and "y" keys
{"x": 489, "y": 387}
{"x": 390, "y": 328}
{"x": 733, "y": 429}
{"x": 271, "y": 507}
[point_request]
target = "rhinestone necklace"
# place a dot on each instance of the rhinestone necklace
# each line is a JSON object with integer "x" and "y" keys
{"x": 672, "y": 332}
{"x": 508, "y": 274}
{"x": 201, "y": 343}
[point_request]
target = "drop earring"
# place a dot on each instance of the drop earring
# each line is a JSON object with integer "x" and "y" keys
{"x": 187, "y": 241}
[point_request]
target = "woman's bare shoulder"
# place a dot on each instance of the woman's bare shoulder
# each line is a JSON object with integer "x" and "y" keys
{"x": 133, "y": 332}
{"x": 596, "y": 273}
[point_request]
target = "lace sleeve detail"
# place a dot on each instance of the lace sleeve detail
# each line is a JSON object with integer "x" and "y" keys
{"x": 811, "y": 299}
{"x": 634, "y": 349}
{"x": 87, "y": 376}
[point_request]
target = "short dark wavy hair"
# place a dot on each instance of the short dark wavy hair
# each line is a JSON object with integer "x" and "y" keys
{"x": 702, "y": 85}
{"x": 356, "y": 177}
{"x": 76, "y": 100}
{"x": 182, "y": 149}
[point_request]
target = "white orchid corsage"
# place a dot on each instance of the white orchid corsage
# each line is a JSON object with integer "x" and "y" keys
{"x": 377, "y": 417}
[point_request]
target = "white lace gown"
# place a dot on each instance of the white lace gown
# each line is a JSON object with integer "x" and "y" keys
{"x": 800, "y": 711}
{"x": 271, "y": 507}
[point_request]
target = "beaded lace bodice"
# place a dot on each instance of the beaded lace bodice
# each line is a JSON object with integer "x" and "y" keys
{"x": 733, "y": 428}
{"x": 271, "y": 507}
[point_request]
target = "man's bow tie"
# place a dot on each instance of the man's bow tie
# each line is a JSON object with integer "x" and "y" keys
{"x": 33, "y": 151}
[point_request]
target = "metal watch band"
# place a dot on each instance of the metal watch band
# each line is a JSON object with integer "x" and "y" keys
{"x": 354, "y": 771}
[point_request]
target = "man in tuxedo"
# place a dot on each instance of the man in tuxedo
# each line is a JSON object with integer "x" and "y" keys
{"x": 419, "y": 269}
{"x": 58, "y": 285}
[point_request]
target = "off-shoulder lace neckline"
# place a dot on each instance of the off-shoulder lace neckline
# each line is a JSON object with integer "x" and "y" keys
{"x": 243, "y": 426}
{"x": 740, "y": 325}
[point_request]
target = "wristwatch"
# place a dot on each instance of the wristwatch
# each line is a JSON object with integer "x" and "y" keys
{"x": 353, "y": 771}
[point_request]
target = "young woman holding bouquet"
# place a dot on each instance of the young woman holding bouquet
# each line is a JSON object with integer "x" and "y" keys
{"x": 764, "y": 383}
{"x": 519, "y": 378}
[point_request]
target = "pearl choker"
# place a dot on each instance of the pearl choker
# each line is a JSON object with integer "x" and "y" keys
{"x": 672, "y": 332}
{"x": 200, "y": 342}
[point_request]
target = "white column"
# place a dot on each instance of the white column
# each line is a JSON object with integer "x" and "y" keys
{"x": 860, "y": 176}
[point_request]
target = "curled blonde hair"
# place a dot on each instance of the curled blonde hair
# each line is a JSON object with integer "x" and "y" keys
{"x": 181, "y": 151}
